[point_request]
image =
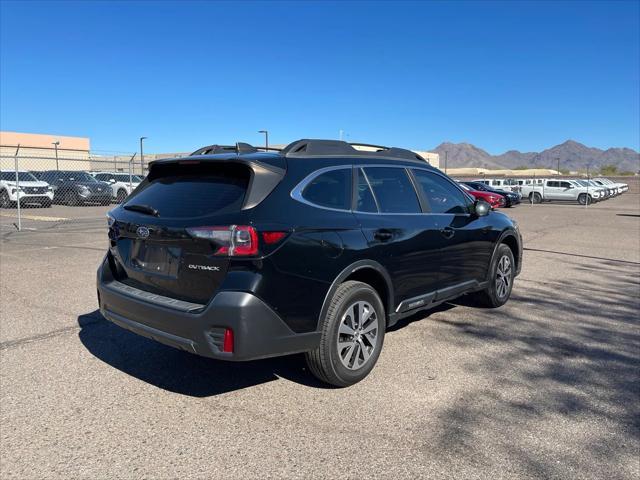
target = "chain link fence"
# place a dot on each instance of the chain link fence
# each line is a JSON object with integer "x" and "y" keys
{"x": 40, "y": 190}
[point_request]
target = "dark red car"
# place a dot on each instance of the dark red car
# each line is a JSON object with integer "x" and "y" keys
{"x": 495, "y": 200}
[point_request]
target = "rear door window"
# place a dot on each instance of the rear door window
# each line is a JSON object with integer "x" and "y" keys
{"x": 393, "y": 190}
{"x": 194, "y": 192}
{"x": 365, "y": 200}
{"x": 441, "y": 195}
{"x": 330, "y": 189}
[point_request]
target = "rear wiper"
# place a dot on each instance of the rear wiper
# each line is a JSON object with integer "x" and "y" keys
{"x": 142, "y": 209}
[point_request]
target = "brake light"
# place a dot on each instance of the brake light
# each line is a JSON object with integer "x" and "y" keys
{"x": 232, "y": 241}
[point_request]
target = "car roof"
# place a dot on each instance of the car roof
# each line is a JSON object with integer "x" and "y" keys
{"x": 323, "y": 152}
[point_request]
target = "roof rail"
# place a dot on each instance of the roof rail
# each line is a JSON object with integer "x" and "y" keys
{"x": 312, "y": 147}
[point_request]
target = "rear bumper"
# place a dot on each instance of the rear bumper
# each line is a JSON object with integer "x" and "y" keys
{"x": 258, "y": 331}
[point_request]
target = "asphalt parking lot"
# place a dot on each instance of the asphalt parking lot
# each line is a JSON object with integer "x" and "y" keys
{"x": 546, "y": 387}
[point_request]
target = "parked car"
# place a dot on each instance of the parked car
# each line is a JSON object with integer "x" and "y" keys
{"x": 620, "y": 187}
{"x": 494, "y": 199}
{"x": 121, "y": 183}
{"x": 27, "y": 190}
{"x": 72, "y": 187}
{"x": 511, "y": 198}
{"x": 560, "y": 190}
{"x": 316, "y": 249}
{"x": 604, "y": 192}
{"x": 508, "y": 184}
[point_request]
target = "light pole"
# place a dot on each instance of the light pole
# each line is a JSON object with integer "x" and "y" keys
{"x": 266, "y": 139}
{"x": 55, "y": 144}
{"x": 558, "y": 158}
{"x": 142, "y": 156}
{"x": 446, "y": 160}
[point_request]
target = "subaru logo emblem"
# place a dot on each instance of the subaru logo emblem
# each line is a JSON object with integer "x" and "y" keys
{"x": 142, "y": 232}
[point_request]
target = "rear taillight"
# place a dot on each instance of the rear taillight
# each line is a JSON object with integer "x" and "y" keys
{"x": 235, "y": 240}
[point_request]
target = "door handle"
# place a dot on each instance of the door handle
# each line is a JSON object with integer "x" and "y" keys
{"x": 448, "y": 232}
{"x": 383, "y": 235}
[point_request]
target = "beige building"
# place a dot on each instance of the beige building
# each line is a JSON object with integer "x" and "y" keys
{"x": 38, "y": 151}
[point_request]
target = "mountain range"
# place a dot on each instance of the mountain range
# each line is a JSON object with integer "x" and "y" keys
{"x": 573, "y": 156}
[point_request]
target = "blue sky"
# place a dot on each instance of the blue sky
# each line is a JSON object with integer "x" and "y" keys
{"x": 499, "y": 75}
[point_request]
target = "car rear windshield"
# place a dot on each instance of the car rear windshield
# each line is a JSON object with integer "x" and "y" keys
{"x": 193, "y": 191}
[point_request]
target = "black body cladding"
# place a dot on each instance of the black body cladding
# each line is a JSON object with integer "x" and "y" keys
{"x": 339, "y": 217}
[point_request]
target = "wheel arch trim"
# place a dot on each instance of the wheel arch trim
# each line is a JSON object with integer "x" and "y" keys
{"x": 509, "y": 232}
{"x": 349, "y": 270}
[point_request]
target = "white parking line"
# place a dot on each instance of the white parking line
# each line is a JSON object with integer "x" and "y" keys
{"x": 40, "y": 218}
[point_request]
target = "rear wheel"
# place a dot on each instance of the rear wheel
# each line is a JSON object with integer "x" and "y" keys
{"x": 584, "y": 199}
{"x": 501, "y": 275}
{"x": 535, "y": 197}
{"x": 352, "y": 336}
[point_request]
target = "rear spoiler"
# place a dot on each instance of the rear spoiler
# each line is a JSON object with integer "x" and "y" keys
{"x": 263, "y": 178}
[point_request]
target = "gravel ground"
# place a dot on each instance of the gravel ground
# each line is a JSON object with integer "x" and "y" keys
{"x": 544, "y": 387}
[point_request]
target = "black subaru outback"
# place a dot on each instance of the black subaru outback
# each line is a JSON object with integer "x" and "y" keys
{"x": 317, "y": 248}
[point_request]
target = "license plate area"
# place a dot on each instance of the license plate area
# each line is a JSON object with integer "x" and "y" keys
{"x": 156, "y": 258}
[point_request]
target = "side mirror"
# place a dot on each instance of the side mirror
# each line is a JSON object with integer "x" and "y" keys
{"x": 482, "y": 208}
{"x": 112, "y": 180}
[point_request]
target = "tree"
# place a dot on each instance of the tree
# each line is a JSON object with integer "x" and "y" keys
{"x": 608, "y": 170}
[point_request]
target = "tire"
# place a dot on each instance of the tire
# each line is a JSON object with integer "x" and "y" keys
{"x": 122, "y": 194}
{"x": 501, "y": 276}
{"x": 347, "y": 364}
{"x": 535, "y": 197}
{"x": 71, "y": 199}
{"x": 5, "y": 201}
{"x": 585, "y": 199}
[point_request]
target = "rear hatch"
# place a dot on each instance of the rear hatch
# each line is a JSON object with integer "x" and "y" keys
{"x": 172, "y": 235}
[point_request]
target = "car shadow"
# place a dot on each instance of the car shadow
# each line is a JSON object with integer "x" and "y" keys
{"x": 179, "y": 371}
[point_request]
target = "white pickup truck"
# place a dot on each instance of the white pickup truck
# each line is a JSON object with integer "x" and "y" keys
{"x": 544, "y": 190}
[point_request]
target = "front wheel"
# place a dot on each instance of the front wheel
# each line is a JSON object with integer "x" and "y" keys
{"x": 71, "y": 199}
{"x": 584, "y": 199}
{"x": 5, "y": 201}
{"x": 352, "y": 336}
{"x": 501, "y": 276}
{"x": 535, "y": 197}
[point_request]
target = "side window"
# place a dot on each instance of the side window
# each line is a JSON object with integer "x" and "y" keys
{"x": 101, "y": 177}
{"x": 331, "y": 189}
{"x": 552, "y": 184}
{"x": 393, "y": 190}
{"x": 365, "y": 200}
{"x": 442, "y": 196}
{"x": 565, "y": 184}
{"x": 496, "y": 183}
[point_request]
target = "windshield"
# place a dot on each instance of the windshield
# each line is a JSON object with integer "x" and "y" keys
{"x": 124, "y": 177}
{"x": 22, "y": 177}
{"x": 77, "y": 177}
